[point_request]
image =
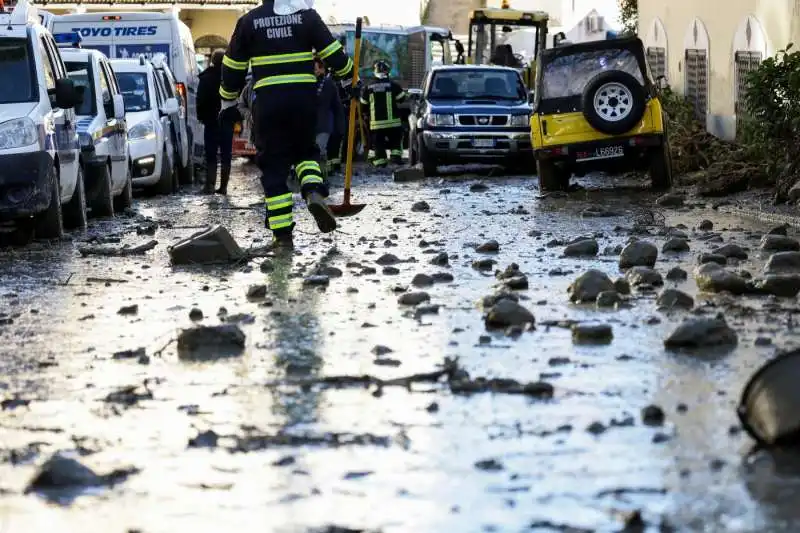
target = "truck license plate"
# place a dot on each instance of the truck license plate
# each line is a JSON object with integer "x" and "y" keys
{"x": 483, "y": 143}
{"x": 606, "y": 152}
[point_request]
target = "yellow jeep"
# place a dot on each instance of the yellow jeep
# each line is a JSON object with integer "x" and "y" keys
{"x": 597, "y": 108}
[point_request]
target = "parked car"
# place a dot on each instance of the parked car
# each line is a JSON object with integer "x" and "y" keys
{"x": 41, "y": 180}
{"x": 127, "y": 35}
{"x": 598, "y": 109}
{"x": 101, "y": 126}
{"x": 147, "y": 113}
{"x": 180, "y": 135}
{"x": 477, "y": 114}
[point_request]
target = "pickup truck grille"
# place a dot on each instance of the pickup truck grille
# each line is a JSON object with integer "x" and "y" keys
{"x": 483, "y": 120}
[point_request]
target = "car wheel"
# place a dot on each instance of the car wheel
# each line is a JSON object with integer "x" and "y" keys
{"x": 49, "y": 224}
{"x": 165, "y": 183}
{"x": 552, "y": 178}
{"x": 661, "y": 167}
{"x": 103, "y": 204}
{"x": 613, "y": 102}
{"x": 428, "y": 162}
{"x": 75, "y": 210}
{"x": 125, "y": 198}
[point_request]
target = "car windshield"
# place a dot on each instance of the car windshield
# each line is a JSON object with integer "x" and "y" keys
{"x": 135, "y": 91}
{"x": 16, "y": 69}
{"x": 81, "y": 74}
{"x": 478, "y": 83}
{"x": 569, "y": 75}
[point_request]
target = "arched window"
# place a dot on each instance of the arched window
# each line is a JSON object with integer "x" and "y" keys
{"x": 696, "y": 68}
{"x": 749, "y": 50}
{"x": 656, "y": 43}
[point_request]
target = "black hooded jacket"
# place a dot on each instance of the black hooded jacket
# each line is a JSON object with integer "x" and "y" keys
{"x": 208, "y": 102}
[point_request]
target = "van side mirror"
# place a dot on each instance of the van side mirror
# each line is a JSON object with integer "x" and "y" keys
{"x": 66, "y": 95}
{"x": 119, "y": 107}
{"x": 171, "y": 107}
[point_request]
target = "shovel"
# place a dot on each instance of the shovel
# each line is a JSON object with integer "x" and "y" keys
{"x": 346, "y": 209}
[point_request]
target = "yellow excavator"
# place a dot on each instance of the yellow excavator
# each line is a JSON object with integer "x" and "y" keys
{"x": 489, "y": 28}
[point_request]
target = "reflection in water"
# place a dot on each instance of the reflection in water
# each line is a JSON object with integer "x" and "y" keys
{"x": 773, "y": 480}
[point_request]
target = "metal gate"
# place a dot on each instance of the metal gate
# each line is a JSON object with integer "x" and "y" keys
{"x": 746, "y": 62}
{"x": 697, "y": 81}
{"x": 657, "y": 59}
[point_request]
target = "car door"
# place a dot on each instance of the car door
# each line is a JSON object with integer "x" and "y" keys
{"x": 178, "y": 121}
{"x": 113, "y": 128}
{"x": 66, "y": 136}
{"x": 163, "y": 120}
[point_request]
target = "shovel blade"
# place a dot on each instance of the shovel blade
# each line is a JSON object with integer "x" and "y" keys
{"x": 346, "y": 210}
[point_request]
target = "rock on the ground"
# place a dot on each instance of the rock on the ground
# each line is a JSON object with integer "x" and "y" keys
{"x": 413, "y": 298}
{"x": 317, "y": 281}
{"x": 711, "y": 277}
{"x": 584, "y": 247}
{"x": 705, "y": 225}
{"x": 420, "y": 207}
{"x": 641, "y": 275}
{"x": 517, "y": 283}
{"x": 674, "y": 299}
{"x": 212, "y": 246}
{"x": 779, "y": 243}
{"x": 608, "y": 299}
{"x": 507, "y": 313}
{"x": 422, "y": 280}
{"x": 592, "y": 333}
{"x": 60, "y": 472}
{"x": 779, "y": 230}
{"x": 442, "y": 277}
{"x": 588, "y": 285}
{"x": 257, "y": 292}
{"x": 388, "y": 259}
{"x": 671, "y": 200}
{"x": 712, "y": 258}
{"x": 783, "y": 263}
{"x": 404, "y": 175}
{"x": 491, "y": 300}
{"x": 484, "y": 264}
{"x": 653, "y": 415}
{"x": 622, "y": 286}
{"x": 733, "y": 251}
{"x": 702, "y": 333}
{"x": 677, "y": 274}
{"x": 491, "y": 246}
{"x": 675, "y": 245}
{"x": 782, "y": 285}
{"x": 511, "y": 271}
{"x": 440, "y": 259}
{"x": 206, "y": 343}
{"x": 638, "y": 253}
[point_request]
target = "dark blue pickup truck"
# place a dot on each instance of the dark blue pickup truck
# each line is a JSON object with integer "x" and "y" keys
{"x": 471, "y": 114}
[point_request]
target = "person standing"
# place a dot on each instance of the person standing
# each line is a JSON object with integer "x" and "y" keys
{"x": 218, "y": 135}
{"x": 330, "y": 113}
{"x": 385, "y": 123}
{"x": 277, "y": 40}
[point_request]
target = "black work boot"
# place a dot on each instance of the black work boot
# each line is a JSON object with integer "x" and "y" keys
{"x": 211, "y": 179}
{"x": 322, "y": 214}
{"x": 282, "y": 241}
{"x": 225, "y": 175}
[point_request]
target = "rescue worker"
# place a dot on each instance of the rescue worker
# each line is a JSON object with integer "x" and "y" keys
{"x": 385, "y": 123}
{"x": 278, "y": 40}
{"x": 330, "y": 113}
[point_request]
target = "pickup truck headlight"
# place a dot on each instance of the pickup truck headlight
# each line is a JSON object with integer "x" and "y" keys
{"x": 143, "y": 130}
{"x": 17, "y": 133}
{"x": 520, "y": 121}
{"x": 439, "y": 119}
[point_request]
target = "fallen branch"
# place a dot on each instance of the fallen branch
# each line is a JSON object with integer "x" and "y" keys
{"x": 126, "y": 250}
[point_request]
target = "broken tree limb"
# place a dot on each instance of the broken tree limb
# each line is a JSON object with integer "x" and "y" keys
{"x": 113, "y": 251}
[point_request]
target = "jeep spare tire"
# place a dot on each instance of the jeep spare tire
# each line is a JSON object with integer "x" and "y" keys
{"x": 613, "y": 102}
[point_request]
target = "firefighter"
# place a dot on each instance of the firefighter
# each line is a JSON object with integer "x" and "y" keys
{"x": 277, "y": 40}
{"x": 385, "y": 123}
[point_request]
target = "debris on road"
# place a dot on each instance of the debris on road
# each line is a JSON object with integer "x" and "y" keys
{"x": 638, "y": 253}
{"x": 702, "y": 333}
{"x": 589, "y": 285}
{"x": 61, "y": 472}
{"x": 212, "y": 246}
{"x": 124, "y": 251}
{"x": 207, "y": 343}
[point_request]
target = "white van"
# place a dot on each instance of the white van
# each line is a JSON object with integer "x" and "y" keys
{"x": 132, "y": 34}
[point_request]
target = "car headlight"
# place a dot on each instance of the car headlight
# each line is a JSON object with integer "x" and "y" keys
{"x": 143, "y": 130}
{"x": 17, "y": 133}
{"x": 520, "y": 120}
{"x": 439, "y": 119}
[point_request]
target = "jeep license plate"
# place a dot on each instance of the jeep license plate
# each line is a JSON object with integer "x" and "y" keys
{"x": 606, "y": 152}
{"x": 483, "y": 143}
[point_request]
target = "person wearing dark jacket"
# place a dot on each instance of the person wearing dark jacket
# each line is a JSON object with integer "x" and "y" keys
{"x": 218, "y": 136}
{"x": 277, "y": 40}
{"x": 330, "y": 113}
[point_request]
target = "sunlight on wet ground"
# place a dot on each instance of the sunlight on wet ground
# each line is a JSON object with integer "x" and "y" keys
{"x": 415, "y": 467}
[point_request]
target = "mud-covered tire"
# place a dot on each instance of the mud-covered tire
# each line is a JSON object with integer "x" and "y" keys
{"x": 102, "y": 204}
{"x": 49, "y": 224}
{"x": 429, "y": 167}
{"x": 661, "y": 167}
{"x": 125, "y": 199}
{"x": 551, "y": 177}
{"x": 74, "y": 211}
{"x": 166, "y": 182}
{"x": 613, "y": 102}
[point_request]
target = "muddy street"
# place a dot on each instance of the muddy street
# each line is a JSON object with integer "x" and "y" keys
{"x": 376, "y": 382}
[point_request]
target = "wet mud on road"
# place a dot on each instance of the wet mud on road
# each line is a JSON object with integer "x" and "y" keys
{"x": 631, "y": 436}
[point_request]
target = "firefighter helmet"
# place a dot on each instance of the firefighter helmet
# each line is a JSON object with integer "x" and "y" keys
{"x": 381, "y": 69}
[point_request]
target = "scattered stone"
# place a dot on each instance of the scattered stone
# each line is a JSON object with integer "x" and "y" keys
{"x": 257, "y": 292}
{"x": 592, "y": 333}
{"x": 640, "y": 275}
{"x": 440, "y": 259}
{"x": 330, "y": 271}
{"x": 390, "y": 271}
{"x": 763, "y": 341}
{"x": 484, "y": 264}
{"x": 128, "y": 310}
{"x": 489, "y": 301}
{"x": 612, "y": 250}
{"x": 589, "y": 285}
{"x": 488, "y": 247}
{"x": 266, "y": 267}
{"x": 489, "y": 465}
{"x": 204, "y": 439}
{"x": 420, "y": 207}
{"x": 413, "y": 298}
{"x": 677, "y": 274}
{"x": 442, "y": 277}
{"x": 381, "y": 350}
{"x": 596, "y": 428}
{"x": 517, "y": 283}
{"x": 212, "y": 246}
{"x": 653, "y": 415}
{"x": 408, "y": 174}
{"x": 671, "y": 200}
{"x": 674, "y": 299}
{"x": 702, "y": 333}
{"x": 783, "y": 263}
{"x": 779, "y": 230}
{"x": 430, "y": 309}
{"x": 712, "y": 258}
{"x": 711, "y": 277}
{"x": 779, "y": 243}
{"x": 195, "y": 314}
{"x": 206, "y": 343}
{"x": 478, "y": 187}
{"x": 782, "y": 285}
{"x": 60, "y": 472}
{"x": 316, "y": 281}
{"x": 598, "y": 212}
{"x": 608, "y": 299}
{"x": 582, "y": 248}
{"x": 675, "y": 245}
{"x": 508, "y": 313}
{"x": 388, "y": 259}
{"x": 705, "y": 225}
{"x": 511, "y": 271}
{"x": 422, "y": 280}
{"x": 638, "y": 253}
{"x": 731, "y": 251}
{"x": 622, "y": 286}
